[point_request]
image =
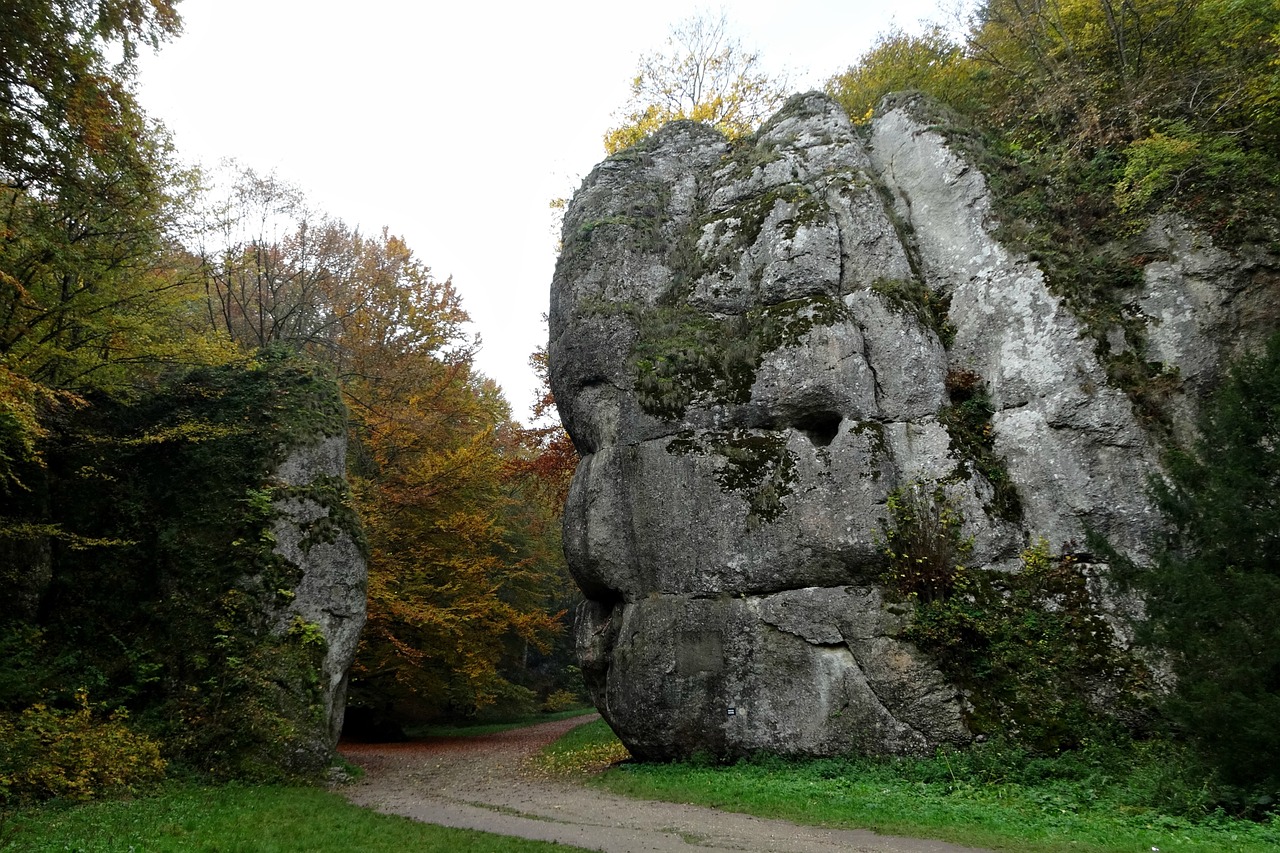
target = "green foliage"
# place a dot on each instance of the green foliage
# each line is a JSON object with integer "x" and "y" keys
{"x": 90, "y": 299}
{"x": 65, "y": 109}
{"x": 968, "y": 423}
{"x": 1212, "y": 176}
{"x": 173, "y": 619}
{"x": 1156, "y": 165}
{"x": 73, "y": 754}
{"x": 1211, "y": 596}
{"x": 1039, "y": 665}
{"x": 307, "y": 633}
{"x": 1106, "y": 797}
{"x": 897, "y": 62}
{"x": 1087, "y": 118}
{"x": 561, "y": 700}
{"x": 1097, "y": 72}
{"x": 923, "y": 543}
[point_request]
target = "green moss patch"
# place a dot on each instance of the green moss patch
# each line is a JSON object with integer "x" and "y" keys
{"x": 756, "y": 464}
{"x": 968, "y": 423}
{"x": 683, "y": 356}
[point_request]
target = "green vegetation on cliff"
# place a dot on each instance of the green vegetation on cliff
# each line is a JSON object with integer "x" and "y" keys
{"x": 164, "y": 614}
{"x": 1089, "y": 119}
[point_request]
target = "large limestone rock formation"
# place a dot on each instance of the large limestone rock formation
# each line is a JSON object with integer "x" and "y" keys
{"x": 751, "y": 347}
{"x": 331, "y": 592}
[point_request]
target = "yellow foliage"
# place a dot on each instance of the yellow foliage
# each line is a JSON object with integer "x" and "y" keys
{"x": 450, "y": 588}
{"x": 898, "y": 61}
{"x": 706, "y": 76}
{"x": 46, "y": 752}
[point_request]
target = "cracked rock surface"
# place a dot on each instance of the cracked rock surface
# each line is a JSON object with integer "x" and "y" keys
{"x": 331, "y": 591}
{"x": 751, "y": 346}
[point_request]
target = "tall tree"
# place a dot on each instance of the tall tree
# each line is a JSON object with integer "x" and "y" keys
{"x": 63, "y": 102}
{"x": 1211, "y": 598}
{"x": 86, "y": 183}
{"x": 704, "y": 75}
{"x": 457, "y": 574}
{"x": 461, "y": 576}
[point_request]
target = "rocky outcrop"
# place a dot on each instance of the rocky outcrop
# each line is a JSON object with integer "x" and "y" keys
{"x": 753, "y": 347}
{"x": 1072, "y": 446}
{"x": 323, "y": 550}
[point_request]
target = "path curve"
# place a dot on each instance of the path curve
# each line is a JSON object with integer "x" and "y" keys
{"x": 482, "y": 783}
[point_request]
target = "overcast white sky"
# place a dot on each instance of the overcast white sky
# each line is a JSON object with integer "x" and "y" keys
{"x": 454, "y": 124}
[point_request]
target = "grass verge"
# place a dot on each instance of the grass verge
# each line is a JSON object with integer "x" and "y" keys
{"x": 240, "y": 819}
{"x": 1073, "y": 805}
{"x": 585, "y": 750}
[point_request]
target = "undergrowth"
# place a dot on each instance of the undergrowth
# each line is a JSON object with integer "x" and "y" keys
{"x": 1105, "y": 796}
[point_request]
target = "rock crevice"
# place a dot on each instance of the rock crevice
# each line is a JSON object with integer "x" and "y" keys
{"x": 753, "y": 346}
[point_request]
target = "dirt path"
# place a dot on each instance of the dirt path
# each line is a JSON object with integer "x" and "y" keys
{"x": 480, "y": 783}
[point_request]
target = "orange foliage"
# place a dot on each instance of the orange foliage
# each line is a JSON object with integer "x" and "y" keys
{"x": 454, "y": 584}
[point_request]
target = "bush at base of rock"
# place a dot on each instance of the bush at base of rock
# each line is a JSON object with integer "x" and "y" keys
{"x": 71, "y": 754}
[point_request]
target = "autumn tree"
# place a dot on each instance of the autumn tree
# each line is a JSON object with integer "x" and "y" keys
{"x": 457, "y": 581}
{"x": 65, "y": 107}
{"x": 1102, "y": 70}
{"x": 932, "y": 62}
{"x": 463, "y": 579}
{"x": 91, "y": 300}
{"x": 273, "y": 270}
{"x": 553, "y": 456}
{"x": 706, "y": 75}
{"x": 87, "y": 192}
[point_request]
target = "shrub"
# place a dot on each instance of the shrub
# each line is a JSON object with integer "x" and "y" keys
{"x": 49, "y": 752}
{"x": 561, "y": 700}
{"x": 923, "y": 543}
{"x": 1040, "y": 665}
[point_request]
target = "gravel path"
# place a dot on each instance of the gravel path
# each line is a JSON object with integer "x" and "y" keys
{"x": 483, "y": 783}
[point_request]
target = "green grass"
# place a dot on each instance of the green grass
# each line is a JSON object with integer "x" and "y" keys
{"x": 240, "y": 819}
{"x": 1029, "y": 805}
{"x": 472, "y": 730}
{"x": 585, "y": 749}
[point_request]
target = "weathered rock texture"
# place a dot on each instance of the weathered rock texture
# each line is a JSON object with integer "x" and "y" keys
{"x": 751, "y": 347}
{"x": 334, "y": 574}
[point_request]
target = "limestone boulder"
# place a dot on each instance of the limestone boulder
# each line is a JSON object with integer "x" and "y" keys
{"x": 754, "y": 345}
{"x": 331, "y": 593}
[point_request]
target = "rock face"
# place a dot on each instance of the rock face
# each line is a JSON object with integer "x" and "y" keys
{"x": 334, "y": 575}
{"x": 752, "y": 348}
